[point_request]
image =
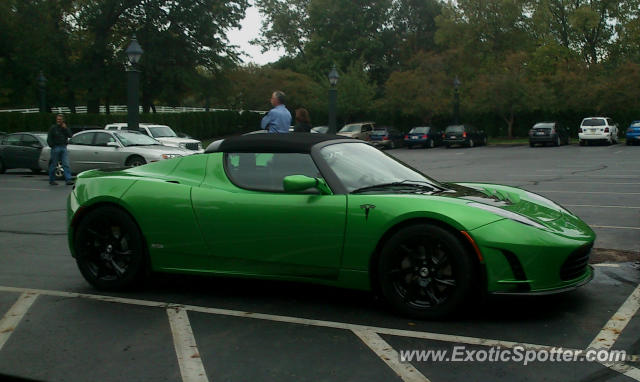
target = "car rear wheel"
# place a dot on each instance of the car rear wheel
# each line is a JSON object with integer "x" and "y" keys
{"x": 425, "y": 272}
{"x": 581, "y": 142}
{"x": 392, "y": 146}
{"x": 628, "y": 144}
{"x": 471, "y": 144}
{"x": 135, "y": 161}
{"x": 531, "y": 144}
{"x": 431, "y": 144}
{"x": 558, "y": 141}
{"x": 109, "y": 249}
{"x": 59, "y": 171}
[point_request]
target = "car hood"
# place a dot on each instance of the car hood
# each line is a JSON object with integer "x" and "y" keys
{"x": 522, "y": 202}
{"x": 174, "y": 141}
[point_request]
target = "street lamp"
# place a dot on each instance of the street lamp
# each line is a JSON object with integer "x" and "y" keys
{"x": 456, "y": 101}
{"x": 42, "y": 90}
{"x": 134, "y": 52}
{"x": 333, "y": 95}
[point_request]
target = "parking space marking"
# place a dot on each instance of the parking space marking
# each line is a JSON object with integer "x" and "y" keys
{"x": 607, "y": 265}
{"x": 15, "y": 314}
{"x": 594, "y": 206}
{"x": 189, "y": 360}
{"x": 630, "y": 305}
{"x": 23, "y": 189}
{"x": 405, "y": 370}
{"x": 589, "y": 192}
{"x": 612, "y": 329}
{"x": 612, "y": 227}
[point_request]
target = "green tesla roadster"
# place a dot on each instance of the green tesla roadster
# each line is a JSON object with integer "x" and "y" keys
{"x": 324, "y": 209}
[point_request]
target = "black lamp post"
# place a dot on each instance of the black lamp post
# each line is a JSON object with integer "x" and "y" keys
{"x": 134, "y": 52}
{"x": 456, "y": 101}
{"x": 42, "y": 90}
{"x": 333, "y": 95}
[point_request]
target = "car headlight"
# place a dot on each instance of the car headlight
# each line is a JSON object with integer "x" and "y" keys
{"x": 169, "y": 156}
{"x": 507, "y": 214}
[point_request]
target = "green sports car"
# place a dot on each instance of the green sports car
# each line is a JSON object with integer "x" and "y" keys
{"x": 324, "y": 209}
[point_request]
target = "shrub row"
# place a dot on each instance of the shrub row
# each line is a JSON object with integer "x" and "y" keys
{"x": 201, "y": 125}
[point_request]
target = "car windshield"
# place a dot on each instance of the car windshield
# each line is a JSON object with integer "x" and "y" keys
{"x": 419, "y": 130}
{"x": 380, "y": 132}
{"x": 135, "y": 139}
{"x": 350, "y": 129}
{"x": 358, "y": 165}
{"x": 636, "y": 124}
{"x": 320, "y": 129}
{"x": 593, "y": 122}
{"x": 161, "y": 131}
{"x": 455, "y": 129}
{"x": 543, "y": 126}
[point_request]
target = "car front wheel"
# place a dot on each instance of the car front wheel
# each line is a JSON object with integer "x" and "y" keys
{"x": 425, "y": 272}
{"x": 135, "y": 161}
{"x": 109, "y": 249}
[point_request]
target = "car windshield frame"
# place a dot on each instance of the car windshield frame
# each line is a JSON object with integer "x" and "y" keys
{"x": 588, "y": 122}
{"x": 353, "y": 128}
{"x": 162, "y": 132}
{"x": 127, "y": 140}
{"x": 422, "y": 130}
{"x": 544, "y": 125}
{"x": 454, "y": 129}
{"x": 358, "y": 165}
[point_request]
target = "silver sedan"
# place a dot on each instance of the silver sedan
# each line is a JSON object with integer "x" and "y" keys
{"x": 97, "y": 149}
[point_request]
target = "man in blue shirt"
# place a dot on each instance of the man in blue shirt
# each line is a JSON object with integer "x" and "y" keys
{"x": 278, "y": 119}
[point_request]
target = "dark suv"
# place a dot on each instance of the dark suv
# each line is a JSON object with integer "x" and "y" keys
{"x": 464, "y": 135}
{"x": 423, "y": 136}
{"x": 548, "y": 132}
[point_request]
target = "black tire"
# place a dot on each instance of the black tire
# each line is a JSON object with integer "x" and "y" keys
{"x": 393, "y": 145}
{"x": 628, "y": 144}
{"x": 110, "y": 250}
{"x": 447, "y": 146}
{"x": 36, "y": 170}
{"x": 2, "y": 168}
{"x": 471, "y": 143}
{"x": 558, "y": 143}
{"x": 135, "y": 161}
{"x": 409, "y": 147}
{"x": 531, "y": 144}
{"x": 407, "y": 263}
{"x": 581, "y": 142}
{"x": 431, "y": 144}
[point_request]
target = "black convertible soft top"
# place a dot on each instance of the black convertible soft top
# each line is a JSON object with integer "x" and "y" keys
{"x": 272, "y": 143}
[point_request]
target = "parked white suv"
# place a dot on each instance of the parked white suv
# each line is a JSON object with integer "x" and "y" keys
{"x": 164, "y": 134}
{"x": 596, "y": 129}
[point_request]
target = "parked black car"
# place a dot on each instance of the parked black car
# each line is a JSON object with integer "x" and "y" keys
{"x": 425, "y": 136}
{"x": 548, "y": 132}
{"x": 464, "y": 135}
{"x": 386, "y": 137}
{"x": 22, "y": 150}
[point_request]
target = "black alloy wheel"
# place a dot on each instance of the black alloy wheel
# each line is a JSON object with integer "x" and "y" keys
{"x": 558, "y": 143}
{"x": 432, "y": 144}
{"x": 109, "y": 249}
{"x": 471, "y": 143}
{"x": 425, "y": 272}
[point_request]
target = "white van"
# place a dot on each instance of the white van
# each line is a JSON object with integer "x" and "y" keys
{"x": 164, "y": 134}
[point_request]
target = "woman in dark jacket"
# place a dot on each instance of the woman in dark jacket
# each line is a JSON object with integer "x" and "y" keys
{"x": 303, "y": 122}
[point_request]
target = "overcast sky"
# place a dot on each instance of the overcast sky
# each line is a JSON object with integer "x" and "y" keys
{"x": 249, "y": 30}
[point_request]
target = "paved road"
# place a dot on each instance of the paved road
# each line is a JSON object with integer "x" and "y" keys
{"x": 54, "y": 327}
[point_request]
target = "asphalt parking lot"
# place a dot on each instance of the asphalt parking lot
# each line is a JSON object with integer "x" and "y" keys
{"x": 55, "y": 327}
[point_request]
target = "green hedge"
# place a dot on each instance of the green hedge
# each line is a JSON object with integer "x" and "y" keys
{"x": 201, "y": 125}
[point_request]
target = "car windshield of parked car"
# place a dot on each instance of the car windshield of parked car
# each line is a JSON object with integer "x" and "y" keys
{"x": 320, "y": 129}
{"x": 543, "y": 126}
{"x": 136, "y": 139}
{"x": 162, "y": 131}
{"x": 419, "y": 130}
{"x": 358, "y": 165}
{"x": 380, "y": 132}
{"x": 636, "y": 124}
{"x": 350, "y": 129}
{"x": 42, "y": 137}
{"x": 455, "y": 129}
{"x": 593, "y": 122}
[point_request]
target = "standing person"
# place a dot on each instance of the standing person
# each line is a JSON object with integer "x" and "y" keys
{"x": 57, "y": 140}
{"x": 303, "y": 122}
{"x": 278, "y": 119}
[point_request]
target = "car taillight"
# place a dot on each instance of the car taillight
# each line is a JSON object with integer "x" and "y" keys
{"x": 385, "y": 138}
{"x": 442, "y": 135}
{"x": 464, "y": 135}
{"x": 406, "y": 137}
{"x": 425, "y": 136}
{"x": 606, "y": 129}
